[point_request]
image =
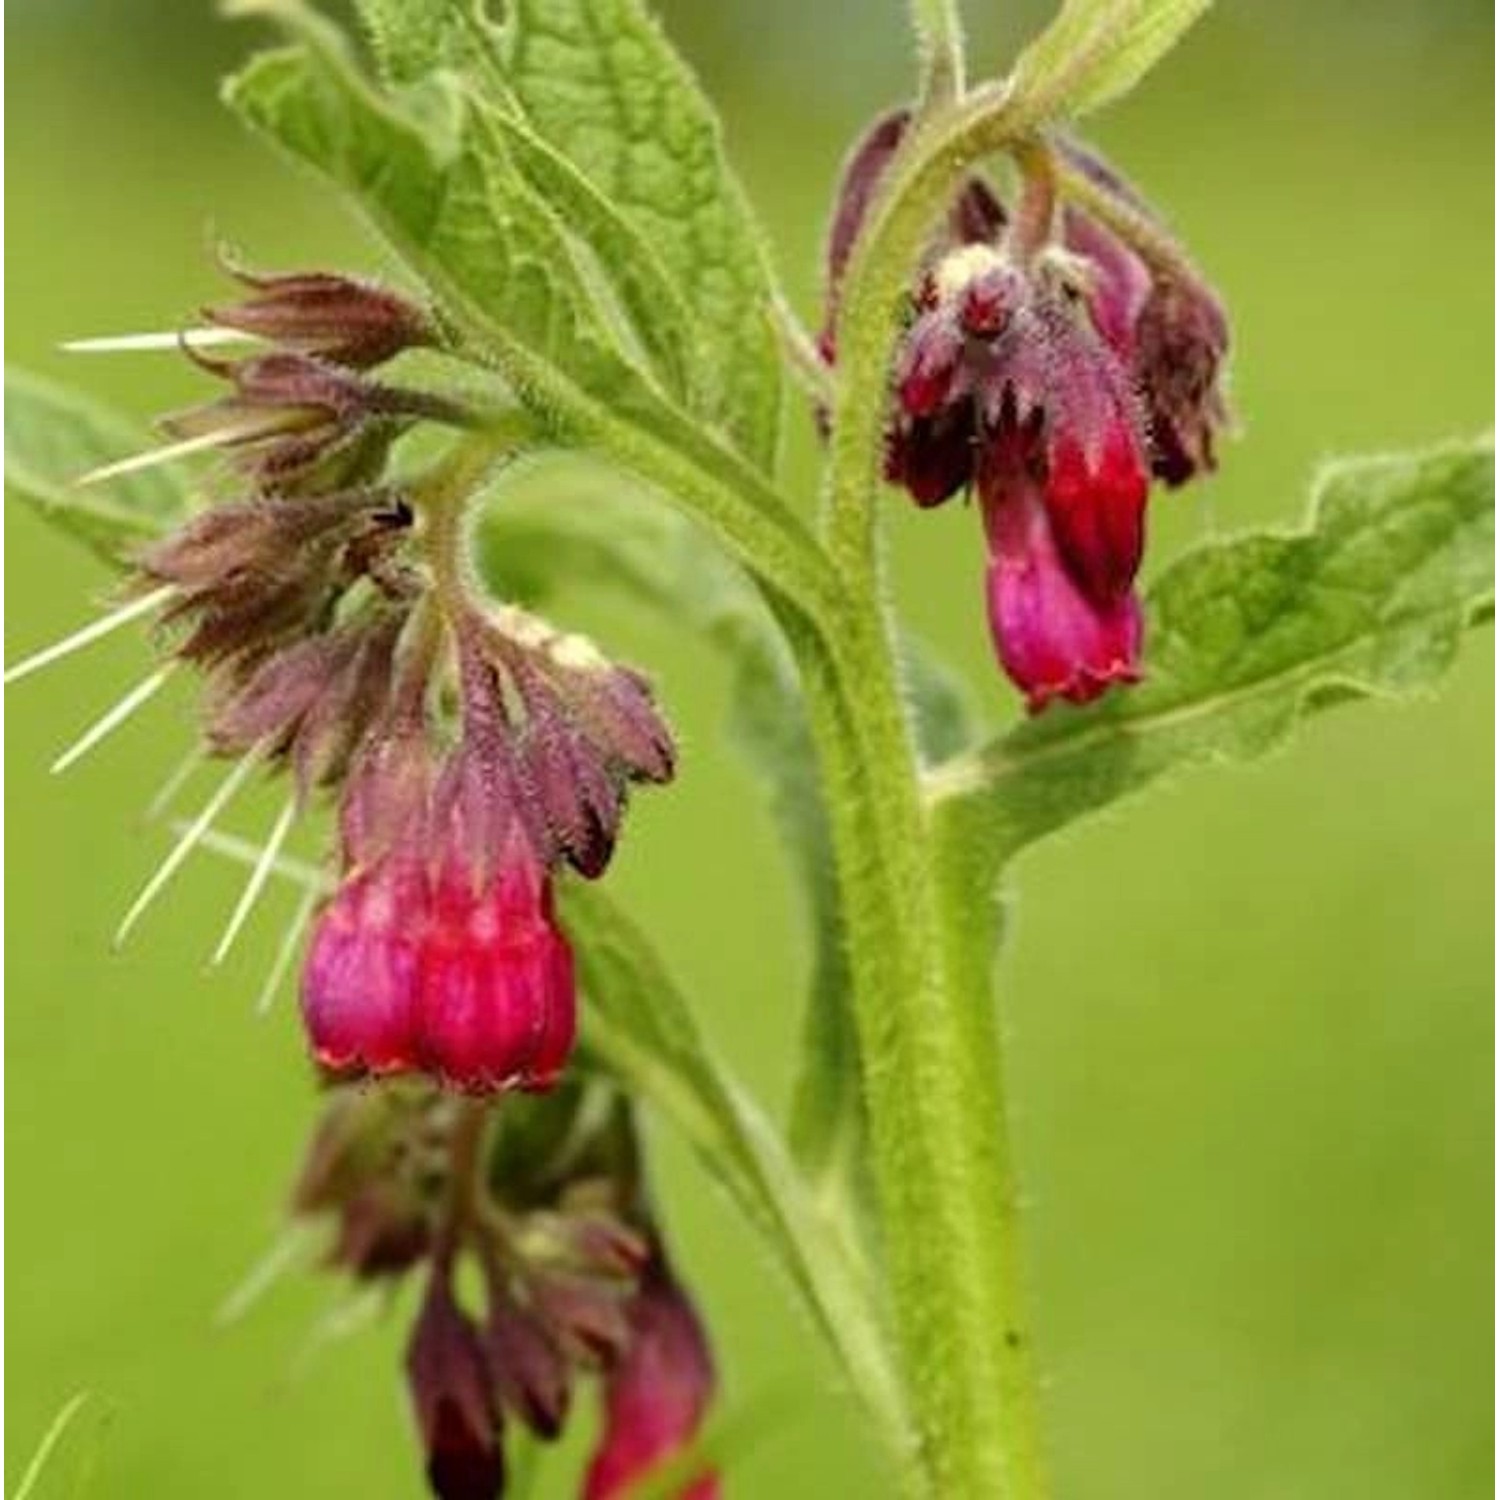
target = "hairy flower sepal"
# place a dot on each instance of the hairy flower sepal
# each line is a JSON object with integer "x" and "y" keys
{"x": 340, "y": 319}
{"x": 292, "y": 417}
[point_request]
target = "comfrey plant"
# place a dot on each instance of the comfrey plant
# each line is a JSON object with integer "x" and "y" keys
{"x": 355, "y": 584}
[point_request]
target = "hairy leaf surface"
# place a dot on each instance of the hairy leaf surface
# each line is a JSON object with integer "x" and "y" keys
{"x": 1246, "y": 637}
{"x": 1096, "y": 50}
{"x": 601, "y": 82}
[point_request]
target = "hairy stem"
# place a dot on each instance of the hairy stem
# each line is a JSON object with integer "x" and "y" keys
{"x": 929, "y": 1040}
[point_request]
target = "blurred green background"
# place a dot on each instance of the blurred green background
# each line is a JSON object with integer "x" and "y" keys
{"x": 1250, "y": 1014}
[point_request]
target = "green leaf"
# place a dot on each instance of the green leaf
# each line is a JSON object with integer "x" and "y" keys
{"x": 434, "y": 175}
{"x": 637, "y": 1025}
{"x": 413, "y": 38}
{"x": 454, "y": 208}
{"x": 1247, "y": 637}
{"x": 625, "y": 259}
{"x": 53, "y": 435}
{"x": 601, "y": 82}
{"x": 1094, "y": 51}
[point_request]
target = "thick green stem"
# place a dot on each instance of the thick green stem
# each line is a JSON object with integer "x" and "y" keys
{"x": 932, "y": 1072}
{"x": 929, "y": 1039}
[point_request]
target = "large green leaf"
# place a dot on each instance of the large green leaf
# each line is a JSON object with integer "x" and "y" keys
{"x": 1246, "y": 637}
{"x": 52, "y": 436}
{"x": 447, "y": 198}
{"x": 433, "y": 172}
{"x": 1096, "y": 50}
{"x": 601, "y": 82}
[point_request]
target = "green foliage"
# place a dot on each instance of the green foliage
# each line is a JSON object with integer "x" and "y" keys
{"x": 1096, "y": 50}
{"x": 559, "y": 187}
{"x": 52, "y": 436}
{"x": 600, "y": 80}
{"x": 1248, "y": 636}
{"x": 432, "y": 168}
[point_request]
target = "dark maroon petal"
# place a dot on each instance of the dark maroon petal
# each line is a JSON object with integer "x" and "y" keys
{"x": 932, "y": 458}
{"x": 454, "y": 1402}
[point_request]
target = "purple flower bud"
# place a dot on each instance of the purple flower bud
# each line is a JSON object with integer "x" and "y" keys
{"x": 657, "y": 1394}
{"x": 530, "y": 1370}
{"x": 289, "y": 412}
{"x": 337, "y": 318}
{"x": 383, "y": 1230}
{"x": 589, "y": 1315}
{"x": 315, "y": 701}
{"x": 454, "y": 1400}
{"x": 932, "y": 458}
{"x": 256, "y": 575}
{"x": 576, "y": 729}
{"x": 1182, "y": 338}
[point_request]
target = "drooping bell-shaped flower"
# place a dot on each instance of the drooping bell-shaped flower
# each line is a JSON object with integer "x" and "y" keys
{"x": 496, "y": 1006}
{"x": 657, "y": 1394}
{"x": 361, "y": 980}
{"x": 453, "y": 1397}
{"x": 1005, "y": 385}
{"x": 1053, "y": 638}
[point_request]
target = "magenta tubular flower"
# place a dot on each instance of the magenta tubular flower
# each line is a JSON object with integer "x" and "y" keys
{"x": 454, "y": 1400}
{"x": 496, "y": 1004}
{"x": 363, "y": 970}
{"x": 657, "y": 1395}
{"x": 1052, "y": 637}
{"x": 1004, "y": 384}
{"x": 362, "y": 975}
